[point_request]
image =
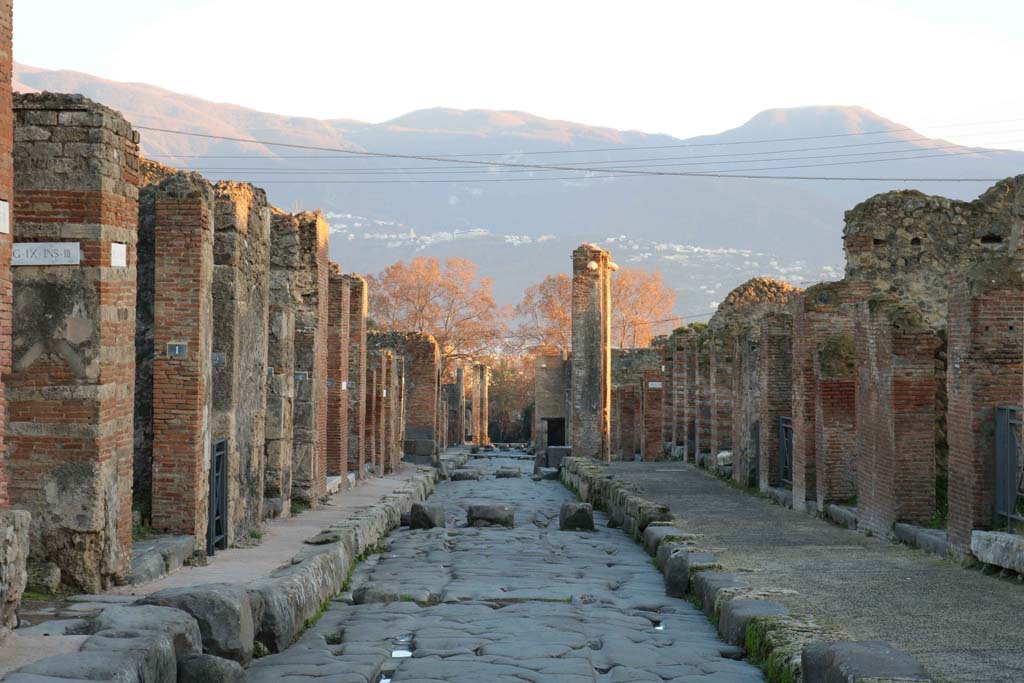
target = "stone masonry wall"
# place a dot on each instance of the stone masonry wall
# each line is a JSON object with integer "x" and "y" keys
{"x": 721, "y": 349}
{"x": 652, "y": 392}
{"x": 338, "y": 306}
{"x": 6, "y": 196}
{"x": 834, "y": 421}
{"x": 422, "y": 358}
{"x": 309, "y": 473}
{"x": 357, "y": 391}
{"x": 591, "y": 357}
{"x": 746, "y": 414}
{"x": 629, "y": 421}
{"x": 71, "y": 391}
{"x": 548, "y": 393}
{"x": 702, "y": 401}
{"x": 986, "y": 314}
{"x": 776, "y": 393}
{"x": 240, "y": 332}
{"x": 690, "y": 390}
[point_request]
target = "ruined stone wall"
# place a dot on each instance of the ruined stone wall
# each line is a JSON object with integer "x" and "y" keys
{"x": 357, "y": 391}
{"x": 629, "y": 421}
{"x": 285, "y": 262}
{"x": 680, "y": 390}
{"x": 690, "y": 391}
{"x": 176, "y": 219}
{"x": 422, "y": 360}
{"x": 240, "y": 332}
{"x": 338, "y": 305}
{"x": 834, "y": 421}
{"x": 702, "y": 401}
{"x": 986, "y": 314}
{"x": 548, "y": 393}
{"x": 591, "y": 357}
{"x": 309, "y": 473}
{"x": 629, "y": 365}
{"x": 652, "y": 425}
{"x": 721, "y": 347}
{"x": 371, "y": 425}
{"x": 746, "y": 414}
{"x": 895, "y": 415}
{"x": 668, "y": 394}
{"x": 776, "y": 390}
{"x": 71, "y": 390}
{"x": 481, "y": 400}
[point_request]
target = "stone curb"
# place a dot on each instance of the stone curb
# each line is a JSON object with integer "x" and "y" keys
{"x": 774, "y": 639}
{"x": 281, "y": 606}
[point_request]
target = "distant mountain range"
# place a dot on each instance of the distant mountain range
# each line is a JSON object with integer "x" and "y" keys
{"x": 705, "y": 234}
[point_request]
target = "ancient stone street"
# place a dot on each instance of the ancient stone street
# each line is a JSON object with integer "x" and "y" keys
{"x": 499, "y": 605}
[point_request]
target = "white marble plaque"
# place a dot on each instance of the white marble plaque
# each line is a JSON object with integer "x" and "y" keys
{"x": 654, "y": 385}
{"x": 46, "y": 254}
{"x": 118, "y": 255}
{"x": 5, "y": 217}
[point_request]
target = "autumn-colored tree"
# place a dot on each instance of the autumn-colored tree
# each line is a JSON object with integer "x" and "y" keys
{"x": 641, "y": 308}
{"x": 544, "y": 313}
{"x": 510, "y": 394}
{"x": 446, "y": 300}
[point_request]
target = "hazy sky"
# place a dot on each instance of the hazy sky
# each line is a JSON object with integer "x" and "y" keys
{"x": 678, "y": 67}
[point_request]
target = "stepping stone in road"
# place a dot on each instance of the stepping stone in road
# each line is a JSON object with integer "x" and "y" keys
{"x": 576, "y": 517}
{"x": 490, "y": 514}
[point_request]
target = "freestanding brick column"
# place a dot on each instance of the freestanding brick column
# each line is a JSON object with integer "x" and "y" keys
{"x": 776, "y": 395}
{"x": 422, "y": 378}
{"x": 460, "y": 406}
{"x": 629, "y": 421}
{"x": 482, "y": 380}
{"x": 182, "y": 381}
{"x": 285, "y": 262}
{"x": 702, "y": 402}
{"x": 986, "y": 315}
{"x": 676, "y": 417}
{"x": 71, "y": 392}
{"x": 667, "y": 397}
{"x": 652, "y": 393}
{"x": 338, "y": 306}
{"x": 371, "y": 425}
{"x": 309, "y": 474}
{"x": 895, "y": 416}
{"x": 357, "y": 390}
{"x": 835, "y": 421}
{"x": 720, "y": 357}
{"x": 240, "y": 314}
{"x": 690, "y": 391}
{"x": 591, "y": 352}
{"x": 746, "y": 415}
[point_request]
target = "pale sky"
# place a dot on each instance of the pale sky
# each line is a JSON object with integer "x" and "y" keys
{"x": 679, "y": 67}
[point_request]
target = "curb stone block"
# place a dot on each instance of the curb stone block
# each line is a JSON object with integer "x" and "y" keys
{"x": 210, "y": 669}
{"x": 657, "y": 533}
{"x": 179, "y": 626}
{"x": 708, "y": 585}
{"x": 681, "y": 565}
{"x": 734, "y": 615}
{"x": 859, "y": 662}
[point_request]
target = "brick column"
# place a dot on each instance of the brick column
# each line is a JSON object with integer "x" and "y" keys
{"x": 482, "y": 377}
{"x": 895, "y": 416}
{"x": 776, "y": 395}
{"x": 746, "y": 414}
{"x": 423, "y": 361}
{"x": 702, "y": 401}
{"x": 71, "y": 391}
{"x": 338, "y": 305}
{"x": 986, "y": 316}
{"x": 652, "y": 393}
{"x": 309, "y": 474}
{"x": 371, "y": 425}
{"x": 548, "y": 393}
{"x": 182, "y": 297}
{"x": 720, "y": 390}
{"x": 667, "y": 397}
{"x": 690, "y": 391}
{"x": 629, "y": 421}
{"x": 835, "y": 421}
{"x": 677, "y": 368}
{"x": 591, "y": 352}
{"x": 357, "y": 391}
{"x": 460, "y": 406}
{"x": 240, "y": 313}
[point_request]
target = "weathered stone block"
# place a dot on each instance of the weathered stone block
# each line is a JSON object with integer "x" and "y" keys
{"x": 576, "y": 517}
{"x": 734, "y": 615}
{"x": 14, "y": 548}
{"x": 850, "y": 662}
{"x": 426, "y": 516}
{"x": 487, "y": 514}
{"x": 180, "y": 627}
{"x": 209, "y": 669}
{"x": 999, "y": 548}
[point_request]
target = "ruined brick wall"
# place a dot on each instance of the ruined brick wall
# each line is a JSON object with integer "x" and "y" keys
{"x": 652, "y": 437}
{"x": 667, "y": 395}
{"x": 986, "y": 315}
{"x": 7, "y": 197}
{"x": 746, "y": 414}
{"x": 422, "y": 361}
{"x": 240, "y": 318}
{"x": 371, "y": 424}
{"x": 676, "y": 417}
{"x": 629, "y": 365}
{"x": 776, "y": 390}
{"x": 358, "y": 387}
{"x": 309, "y": 473}
{"x": 835, "y": 421}
{"x": 145, "y": 280}
{"x": 176, "y": 219}
{"x": 629, "y": 421}
{"x": 895, "y": 415}
{"x": 690, "y": 391}
{"x": 591, "y": 357}
{"x": 702, "y": 401}
{"x": 71, "y": 389}
{"x": 548, "y": 392}
{"x": 285, "y": 262}
{"x": 338, "y": 305}
{"x": 481, "y": 399}
{"x": 459, "y": 407}
{"x": 721, "y": 347}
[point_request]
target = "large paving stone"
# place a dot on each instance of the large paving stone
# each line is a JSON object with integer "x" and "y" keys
{"x": 209, "y": 669}
{"x": 122, "y": 666}
{"x": 466, "y": 474}
{"x": 223, "y": 612}
{"x": 157, "y": 650}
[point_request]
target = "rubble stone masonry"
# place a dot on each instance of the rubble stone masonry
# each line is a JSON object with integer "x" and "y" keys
{"x": 71, "y": 390}
{"x": 358, "y": 386}
{"x": 548, "y": 396}
{"x": 721, "y": 349}
{"x": 834, "y": 420}
{"x": 591, "y": 358}
{"x": 776, "y": 395}
{"x": 338, "y": 305}
{"x": 746, "y": 415}
{"x": 690, "y": 390}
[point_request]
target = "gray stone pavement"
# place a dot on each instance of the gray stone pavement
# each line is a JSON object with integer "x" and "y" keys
{"x": 962, "y": 625}
{"x": 497, "y": 605}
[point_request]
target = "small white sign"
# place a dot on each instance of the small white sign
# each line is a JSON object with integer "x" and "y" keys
{"x": 654, "y": 385}
{"x": 46, "y": 254}
{"x": 5, "y": 217}
{"x": 344, "y": 385}
{"x": 118, "y": 255}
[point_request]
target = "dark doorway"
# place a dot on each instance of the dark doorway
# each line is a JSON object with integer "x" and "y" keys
{"x": 556, "y": 431}
{"x": 217, "y": 529}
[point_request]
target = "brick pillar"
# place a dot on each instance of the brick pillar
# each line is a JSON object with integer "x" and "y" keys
{"x": 720, "y": 358}
{"x": 240, "y": 313}
{"x": 421, "y": 395}
{"x": 182, "y": 296}
{"x": 460, "y": 406}
{"x": 776, "y": 395}
{"x": 280, "y": 427}
{"x": 591, "y": 352}
{"x": 71, "y": 391}
{"x": 835, "y": 420}
{"x": 652, "y": 393}
{"x": 482, "y": 377}
{"x": 702, "y": 401}
{"x": 677, "y": 368}
{"x": 548, "y": 393}
{"x": 338, "y": 305}
{"x": 690, "y": 391}
{"x": 746, "y": 414}
{"x": 629, "y": 421}
{"x": 895, "y": 416}
{"x": 667, "y": 397}
{"x": 616, "y": 423}
{"x": 309, "y": 473}
{"x": 371, "y": 425}
{"x": 389, "y": 405}
{"x": 357, "y": 390}
{"x": 986, "y": 315}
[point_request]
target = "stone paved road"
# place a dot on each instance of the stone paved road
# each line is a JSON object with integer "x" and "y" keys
{"x": 963, "y": 626}
{"x": 526, "y": 605}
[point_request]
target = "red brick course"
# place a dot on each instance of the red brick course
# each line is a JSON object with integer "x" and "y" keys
{"x": 6, "y": 195}
{"x": 652, "y": 393}
{"x": 338, "y": 305}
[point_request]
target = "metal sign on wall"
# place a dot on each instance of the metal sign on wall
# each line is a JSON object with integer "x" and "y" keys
{"x": 46, "y": 254}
